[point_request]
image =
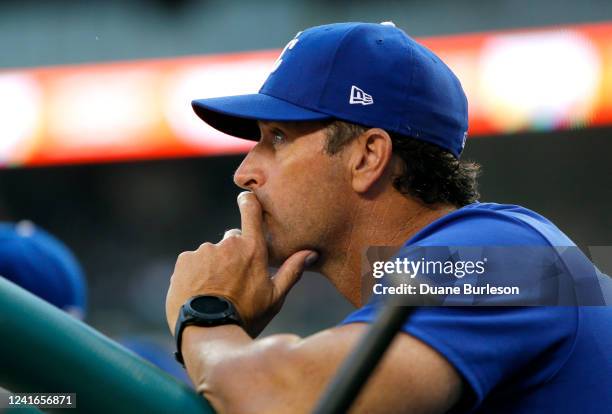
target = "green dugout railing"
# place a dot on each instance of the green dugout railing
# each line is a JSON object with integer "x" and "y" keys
{"x": 44, "y": 350}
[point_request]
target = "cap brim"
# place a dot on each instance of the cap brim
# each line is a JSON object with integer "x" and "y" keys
{"x": 238, "y": 115}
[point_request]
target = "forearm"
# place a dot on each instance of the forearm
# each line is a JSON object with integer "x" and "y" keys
{"x": 225, "y": 361}
{"x": 287, "y": 374}
{"x": 202, "y": 347}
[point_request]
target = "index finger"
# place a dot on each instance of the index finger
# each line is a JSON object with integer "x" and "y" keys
{"x": 250, "y": 216}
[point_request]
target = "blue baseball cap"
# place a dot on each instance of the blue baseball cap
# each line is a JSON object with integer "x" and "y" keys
{"x": 369, "y": 74}
{"x": 38, "y": 262}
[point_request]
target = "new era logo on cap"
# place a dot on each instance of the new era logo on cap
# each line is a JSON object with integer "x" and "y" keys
{"x": 358, "y": 96}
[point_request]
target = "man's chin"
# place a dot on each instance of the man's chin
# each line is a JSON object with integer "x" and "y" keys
{"x": 276, "y": 258}
{"x": 277, "y": 255}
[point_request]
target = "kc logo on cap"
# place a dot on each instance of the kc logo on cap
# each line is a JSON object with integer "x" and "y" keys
{"x": 289, "y": 46}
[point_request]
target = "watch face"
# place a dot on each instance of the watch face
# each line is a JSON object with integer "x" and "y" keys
{"x": 210, "y": 305}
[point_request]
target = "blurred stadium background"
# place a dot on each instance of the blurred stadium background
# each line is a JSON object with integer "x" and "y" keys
{"x": 110, "y": 159}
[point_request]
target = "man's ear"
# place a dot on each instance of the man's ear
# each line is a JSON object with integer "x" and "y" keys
{"x": 371, "y": 154}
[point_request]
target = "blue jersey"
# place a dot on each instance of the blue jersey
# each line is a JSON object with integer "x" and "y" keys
{"x": 514, "y": 359}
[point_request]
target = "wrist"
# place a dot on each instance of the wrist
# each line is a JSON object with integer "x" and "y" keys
{"x": 203, "y": 311}
{"x": 194, "y": 334}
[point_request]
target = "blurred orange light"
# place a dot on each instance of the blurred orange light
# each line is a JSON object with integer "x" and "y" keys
{"x": 543, "y": 80}
{"x": 538, "y": 79}
{"x": 20, "y": 116}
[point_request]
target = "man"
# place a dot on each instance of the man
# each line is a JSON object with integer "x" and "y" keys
{"x": 360, "y": 130}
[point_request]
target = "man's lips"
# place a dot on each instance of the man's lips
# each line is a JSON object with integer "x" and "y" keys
{"x": 264, "y": 211}
{"x": 266, "y": 216}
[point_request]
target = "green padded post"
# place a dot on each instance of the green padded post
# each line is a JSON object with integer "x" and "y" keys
{"x": 42, "y": 349}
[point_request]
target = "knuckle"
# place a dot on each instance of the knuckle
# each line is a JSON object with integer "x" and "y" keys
{"x": 234, "y": 238}
{"x": 231, "y": 240}
{"x": 232, "y": 233}
{"x": 205, "y": 247}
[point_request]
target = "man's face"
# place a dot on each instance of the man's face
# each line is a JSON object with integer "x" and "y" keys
{"x": 303, "y": 191}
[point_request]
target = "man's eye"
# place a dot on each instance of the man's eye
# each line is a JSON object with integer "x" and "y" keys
{"x": 278, "y": 138}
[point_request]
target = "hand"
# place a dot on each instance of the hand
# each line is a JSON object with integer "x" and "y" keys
{"x": 237, "y": 269}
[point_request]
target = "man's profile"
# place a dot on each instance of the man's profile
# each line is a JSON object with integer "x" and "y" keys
{"x": 360, "y": 130}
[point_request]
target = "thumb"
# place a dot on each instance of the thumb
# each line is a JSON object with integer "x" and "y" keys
{"x": 291, "y": 270}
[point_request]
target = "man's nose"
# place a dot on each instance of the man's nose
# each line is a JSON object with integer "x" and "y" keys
{"x": 249, "y": 174}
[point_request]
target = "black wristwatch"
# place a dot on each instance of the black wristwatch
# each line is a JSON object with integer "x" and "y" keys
{"x": 204, "y": 310}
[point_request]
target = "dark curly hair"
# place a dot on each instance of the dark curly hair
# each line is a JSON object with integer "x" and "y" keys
{"x": 430, "y": 173}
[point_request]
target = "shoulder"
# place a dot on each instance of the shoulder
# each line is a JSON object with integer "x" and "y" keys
{"x": 491, "y": 224}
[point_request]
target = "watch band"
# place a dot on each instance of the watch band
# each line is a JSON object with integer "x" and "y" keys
{"x": 206, "y": 311}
